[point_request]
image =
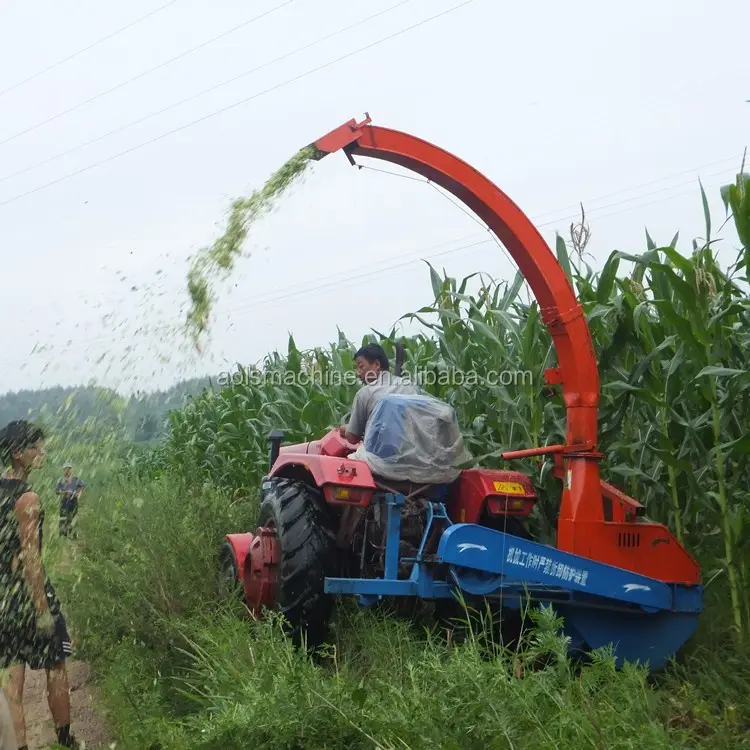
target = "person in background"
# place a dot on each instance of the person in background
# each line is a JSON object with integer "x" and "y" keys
{"x": 69, "y": 490}
{"x": 33, "y": 631}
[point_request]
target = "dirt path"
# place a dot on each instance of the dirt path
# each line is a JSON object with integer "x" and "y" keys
{"x": 88, "y": 721}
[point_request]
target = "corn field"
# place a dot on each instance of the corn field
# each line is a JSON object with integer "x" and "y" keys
{"x": 672, "y": 336}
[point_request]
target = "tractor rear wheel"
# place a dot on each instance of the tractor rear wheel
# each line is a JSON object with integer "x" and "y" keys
{"x": 307, "y": 555}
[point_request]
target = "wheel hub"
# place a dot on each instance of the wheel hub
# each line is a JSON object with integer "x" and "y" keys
{"x": 261, "y": 564}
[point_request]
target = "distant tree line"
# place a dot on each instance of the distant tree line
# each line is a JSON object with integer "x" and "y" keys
{"x": 89, "y": 411}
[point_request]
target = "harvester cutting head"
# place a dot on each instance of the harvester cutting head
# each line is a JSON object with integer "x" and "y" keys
{"x": 614, "y": 578}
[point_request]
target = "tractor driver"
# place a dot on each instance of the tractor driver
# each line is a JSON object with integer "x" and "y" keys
{"x": 373, "y": 370}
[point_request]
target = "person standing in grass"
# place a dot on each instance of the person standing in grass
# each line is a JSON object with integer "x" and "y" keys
{"x": 33, "y": 632}
{"x": 69, "y": 490}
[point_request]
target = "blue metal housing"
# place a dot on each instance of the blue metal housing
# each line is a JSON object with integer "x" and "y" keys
{"x": 643, "y": 619}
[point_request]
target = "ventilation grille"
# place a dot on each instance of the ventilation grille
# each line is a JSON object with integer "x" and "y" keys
{"x": 629, "y": 539}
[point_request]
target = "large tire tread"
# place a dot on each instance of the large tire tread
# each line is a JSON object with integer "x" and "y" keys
{"x": 307, "y": 556}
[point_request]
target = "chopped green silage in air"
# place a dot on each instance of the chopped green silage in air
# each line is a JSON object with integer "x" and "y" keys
{"x": 217, "y": 262}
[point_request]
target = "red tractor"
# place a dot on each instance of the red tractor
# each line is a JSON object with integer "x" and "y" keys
{"x": 329, "y": 525}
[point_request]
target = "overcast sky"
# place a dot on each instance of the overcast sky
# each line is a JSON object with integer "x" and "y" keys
{"x": 622, "y": 107}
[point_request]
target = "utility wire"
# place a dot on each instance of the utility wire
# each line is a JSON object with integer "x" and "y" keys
{"x": 204, "y": 91}
{"x": 576, "y": 206}
{"x": 411, "y": 258}
{"x": 146, "y": 72}
{"x": 86, "y": 49}
{"x": 237, "y": 103}
{"x": 297, "y": 51}
{"x": 364, "y": 273}
{"x": 344, "y": 279}
{"x": 305, "y": 290}
{"x": 594, "y": 210}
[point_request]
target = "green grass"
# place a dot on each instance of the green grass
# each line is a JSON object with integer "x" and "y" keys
{"x": 182, "y": 669}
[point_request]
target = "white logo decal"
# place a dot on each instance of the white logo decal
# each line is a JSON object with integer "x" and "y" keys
{"x": 463, "y": 547}
{"x": 636, "y": 587}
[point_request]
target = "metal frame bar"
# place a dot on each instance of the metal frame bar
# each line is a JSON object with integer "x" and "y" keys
{"x": 474, "y": 582}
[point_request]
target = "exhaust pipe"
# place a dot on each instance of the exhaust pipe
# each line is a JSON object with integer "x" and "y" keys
{"x": 398, "y": 366}
{"x": 274, "y": 438}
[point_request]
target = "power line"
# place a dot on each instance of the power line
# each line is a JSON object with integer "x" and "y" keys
{"x": 329, "y": 281}
{"x": 235, "y": 104}
{"x": 271, "y": 62}
{"x": 659, "y": 200}
{"x": 594, "y": 210}
{"x": 145, "y": 73}
{"x": 204, "y": 91}
{"x": 90, "y": 46}
{"x": 372, "y": 270}
{"x": 344, "y": 280}
{"x": 692, "y": 170}
{"x": 365, "y": 273}
{"x": 588, "y": 201}
{"x": 642, "y": 195}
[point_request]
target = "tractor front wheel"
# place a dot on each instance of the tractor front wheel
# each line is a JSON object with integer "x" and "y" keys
{"x": 306, "y": 541}
{"x": 230, "y": 584}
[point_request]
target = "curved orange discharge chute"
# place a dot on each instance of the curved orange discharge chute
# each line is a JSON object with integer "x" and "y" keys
{"x": 594, "y": 516}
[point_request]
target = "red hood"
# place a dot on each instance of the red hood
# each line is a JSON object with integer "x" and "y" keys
{"x": 331, "y": 444}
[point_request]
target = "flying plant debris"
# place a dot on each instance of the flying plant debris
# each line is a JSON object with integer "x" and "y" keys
{"x": 218, "y": 260}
